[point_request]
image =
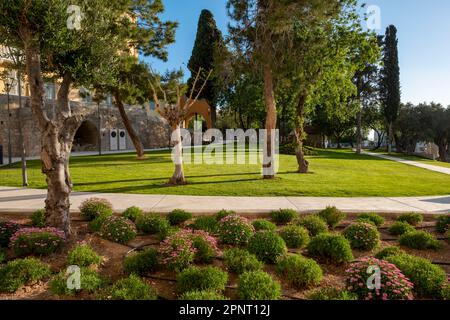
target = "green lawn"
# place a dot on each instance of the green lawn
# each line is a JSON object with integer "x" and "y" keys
{"x": 418, "y": 159}
{"x": 333, "y": 173}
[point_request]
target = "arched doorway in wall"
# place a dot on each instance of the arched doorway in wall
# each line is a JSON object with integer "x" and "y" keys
{"x": 86, "y": 137}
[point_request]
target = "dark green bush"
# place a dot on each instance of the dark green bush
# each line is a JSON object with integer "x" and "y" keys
{"x": 223, "y": 213}
{"x": 83, "y": 256}
{"x": 206, "y": 223}
{"x": 152, "y": 223}
{"x": 428, "y": 278}
{"x": 283, "y": 216}
{"x": 332, "y": 216}
{"x": 118, "y": 229}
{"x": 235, "y": 230}
{"x": 267, "y": 246}
{"x": 263, "y": 224}
{"x": 331, "y": 294}
{"x": 141, "y": 263}
{"x": 94, "y": 207}
{"x": 388, "y": 251}
{"x": 331, "y": 247}
{"x": 411, "y": 218}
{"x": 90, "y": 282}
{"x": 3, "y": 255}
{"x": 362, "y": 236}
{"x": 299, "y": 271}
{"x": 17, "y": 273}
{"x": 132, "y": 288}
{"x": 38, "y": 219}
{"x": 7, "y": 229}
{"x": 313, "y": 223}
{"x": 419, "y": 240}
{"x": 207, "y": 278}
{"x": 373, "y": 217}
{"x": 178, "y": 216}
{"x": 399, "y": 227}
{"x": 132, "y": 213}
{"x": 294, "y": 236}
{"x": 202, "y": 295}
{"x": 96, "y": 224}
{"x": 240, "y": 261}
{"x": 443, "y": 224}
{"x": 37, "y": 241}
{"x": 258, "y": 285}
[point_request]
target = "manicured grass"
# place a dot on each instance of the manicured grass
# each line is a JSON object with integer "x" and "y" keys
{"x": 416, "y": 158}
{"x": 339, "y": 173}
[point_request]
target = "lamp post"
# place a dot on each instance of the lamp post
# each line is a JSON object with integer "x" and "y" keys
{"x": 9, "y": 84}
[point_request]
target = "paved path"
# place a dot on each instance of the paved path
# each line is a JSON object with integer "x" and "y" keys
{"x": 411, "y": 163}
{"x": 13, "y": 200}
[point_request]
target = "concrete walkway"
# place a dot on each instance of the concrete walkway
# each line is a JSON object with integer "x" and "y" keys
{"x": 411, "y": 163}
{"x": 14, "y": 200}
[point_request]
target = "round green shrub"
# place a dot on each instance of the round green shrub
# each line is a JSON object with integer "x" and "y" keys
{"x": 258, "y": 285}
{"x": 332, "y": 216}
{"x": 83, "y": 256}
{"x": 443, "y": 224}
{"x": 428, "y": 279}
{"x": 267, "y": 246}
{"x": 38, "y": 241}
{"x": 373, "y": 217}
{"x": 419, "y": 240}
{"x": 445, "y": 293}
{"x": 152, "y": 223}
{"x": 300, "y": 272}
{"x": 388, "y": 251}
{"x": 90, "y": 282}
{"x": 141, "y": 263}
{"x": 132, "y": 213}
{"x": 294, "y": 236}
{"x": 411, "y": 218}
{"x": 331, "y": 294}
{"x": 96, "y": 224}
{"x": 207, "y": 278}
{"x": 362, "y": 236}
{"x": 313, "y": 223}
{"x": 19, "y": 272}
{"x": 239, "y": 261}
{"x": 178, "y": 216}
{"x": 94, "y": 207}
{"x": 202, "y": 295}
{"x": 7, "y": 229}
{"x": 178, "y": 251}
{"x": 331, "y": 248}
{"x": 263, "y": 224}
{"x": 118, "y": 229}
{"x": 132, "y": 288}
{"x": 399, "y": 227}
{"x": 283, "y": 216}
{"x": 205, "y": 245}
{"x": 235, "y": 230}
{"x": 38, "y": 219}
{"x": 223, "y": 213}
{"x": 206, "y": 223}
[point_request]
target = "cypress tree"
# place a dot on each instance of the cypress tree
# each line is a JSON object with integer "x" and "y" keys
{"x": 390, "y": 81}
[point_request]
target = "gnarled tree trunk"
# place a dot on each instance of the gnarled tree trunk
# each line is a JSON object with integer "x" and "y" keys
{"x": 443, "y": 152}
{"x": 177, "y": 153}
{"x": 303, "y": 164}
{"x": 126, "y": 122}
{"x": 270, "y": 126}
{"x": 56, "y": 138}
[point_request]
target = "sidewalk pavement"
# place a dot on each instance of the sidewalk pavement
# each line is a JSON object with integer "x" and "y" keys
{"x": 411, "y": 163}
{"x": 16, "y": 200}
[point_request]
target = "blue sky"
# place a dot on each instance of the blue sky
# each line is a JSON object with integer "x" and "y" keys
{"x": 423, "y": 32}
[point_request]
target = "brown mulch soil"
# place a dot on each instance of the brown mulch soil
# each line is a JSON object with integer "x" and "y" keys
{"x": 163, "y": 281}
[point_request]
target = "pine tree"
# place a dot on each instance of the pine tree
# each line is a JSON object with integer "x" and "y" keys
{"x": 390, "y": 81}
{"x": 207, "y": 45}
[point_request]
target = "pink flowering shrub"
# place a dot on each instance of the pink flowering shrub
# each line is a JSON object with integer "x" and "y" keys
{"x": 362, "y": 236}
{"x": 118, "y": 229}
{"x": 394, "y": 285}
{"x": 38, "y": 241}
{"x": 178, "y": 251}
{"x": 206, "y": 246}
{"x": 235, "y": 230}
{"x": 7, "y": 229}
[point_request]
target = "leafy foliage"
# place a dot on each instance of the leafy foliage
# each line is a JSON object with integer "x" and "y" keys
{"x": 141, "y": 263}
{"x": 177, "y": 217}
{"x": 258, "y": 285}
{"x": 83, "y": 256}
{"x": 294, "y": 236}
{"x": 95, "y": 207}
{"x": 332, "y": 216}
{"x": 239, "y": 261}
{"x": 267, "y": 246}
{"x": 331, "y": 247}
{"x": 235, "y": 230}
{"x": 399, "y": 227}
{"x": 419, "y": 240}
{"x": 118, "y": 229}
{"x": 17, "y": 273}
{"x": 313, "y": 223}
{"x": 299, "y": 271}
{"x": 195, "y": 278}
{"x": 283, "y": 216}
{"x": 411, "y": 218}
{"x": 132, "y": 213}
{"x": 132, "y": 288}
{"x": 362, "y": 235}
{"x": 38, "y": 219}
